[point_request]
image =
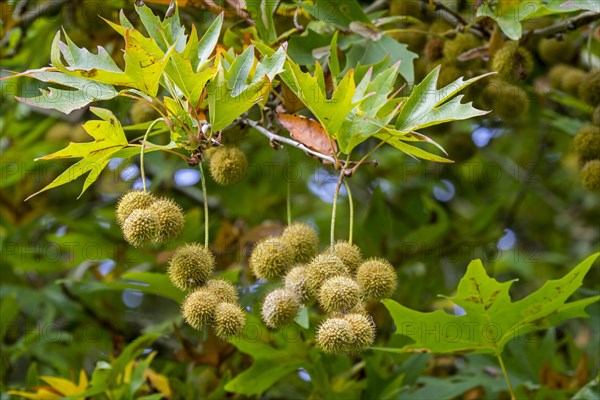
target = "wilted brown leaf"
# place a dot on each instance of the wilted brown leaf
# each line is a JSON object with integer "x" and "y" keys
{"x": 308, "y": 132}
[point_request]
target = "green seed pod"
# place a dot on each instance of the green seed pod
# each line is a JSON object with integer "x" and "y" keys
{"x": 349, "y": 254}
{"x": 377, "y": 279}
{"x": 596, "y": 116}
{"x": 295, "y": 281}
{"x": 587, "y": 143}
{"x": 339, "y": 293}
{"x": 553, "y": 51}
{"x": 133, "y": 200}
{"x": 271, "y": 258}
{"x": 224, "y": 290}
{"x": 571, "y": 80}
{"x": 589, "y": 91}
{"x": 321, "y": 268}
{"x": 199, "y": 307}
{"x": 335, "y": 335}
{"x": 460, "y": 147}
{"x": 171, "y": 219}
{"x": 590, "y": 176}
{"x": 279, "y": 308}
{"x": 556, "y": 74}
{"x": 190, "y": 266}
{"x": 228, "y": 165}
{"x": 363, "y": 329}
{"x": 303, "y": 240}
{"x": 229, "y": 320}
{"x": 142, "y": 112}
{"x": 512, "y": 62}
{"x": 140, "y": 227}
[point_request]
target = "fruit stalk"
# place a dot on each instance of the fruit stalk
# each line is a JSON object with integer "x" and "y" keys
{"x": 144, "y": 140}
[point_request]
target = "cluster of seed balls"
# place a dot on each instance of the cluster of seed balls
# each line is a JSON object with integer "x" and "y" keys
{"x": 210, "y": 303}
{"x": 145, "y": 219}
{"x": 338, "y": 279}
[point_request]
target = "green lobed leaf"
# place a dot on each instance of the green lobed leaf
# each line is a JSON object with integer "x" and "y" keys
{"x": 80, "y": 93}
{"x": 310, "y": 89}
{"x": 109, "y": 139}
{"x": 428, "y": 106}
{"x": 492, "y": 318}
{"x": 509, "y": 15}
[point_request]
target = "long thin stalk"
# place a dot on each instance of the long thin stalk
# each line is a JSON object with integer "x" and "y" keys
{"x": 351, "y": 206}
{"x": 510, "y": 387}
{"x": 334, "y": 208}
{"x": 143, "y": 171}
{"x": 289, "y": 202}
{"x": 205, "y": 197}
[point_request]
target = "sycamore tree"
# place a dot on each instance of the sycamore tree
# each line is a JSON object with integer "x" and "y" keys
{"x": 213, "y": 92}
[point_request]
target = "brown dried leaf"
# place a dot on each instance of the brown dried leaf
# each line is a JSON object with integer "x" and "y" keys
{"x": 308, "y": 132}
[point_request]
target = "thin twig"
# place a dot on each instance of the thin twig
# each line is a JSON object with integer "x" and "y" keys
{"x": 566, "y": 25}
{"x": 288, "y": 141}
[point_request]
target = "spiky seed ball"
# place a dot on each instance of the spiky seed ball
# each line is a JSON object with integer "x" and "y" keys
{"x": 411, "y": 37}
{"x": 512, "y": 62}
{"x": 587, "y": 143}
{"x": 349, "y": 254}
{"x": 377, "y": 279}
{"x": 339, "y": 293}
{"x": 224, "y": 290}
{"x": 199, "y": 307}
{"x": 571, "y": 80}
{"x": 171, "y": 219}
{"x": 133, "y": 200}
{"x": 335, "y": 335}
{"x": 460, "y": 147}
{"x": 190, "y": 266}
{"x": 271, "y": 258}
{"x": 459, "y": 45}
{"x": 448, "y": 74}
{"x": 507, "y": 101}
{"x": 596, "y": 116}
{"x": 234, "y": 136}
{"x": 142, "y": 112}
{"x": 321, "y": 268}
{"x": 589, "y": 91}
{"x": 553, "y": 51}
{"x": 303, "y": 240}
{"x": 556, "y": 74}
{"x": 229, "y": 320}
{"x": 295, "y": 281}
{"x": 140, "y": 227}
{"x": 364, "y": 331}
{"x": 279, "y": 308}
{"x": 590, "y": 176}
{"x": 228, "y": 165}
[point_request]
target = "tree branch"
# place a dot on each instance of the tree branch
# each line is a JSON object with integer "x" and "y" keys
{"x": 291, "y": 142}
{"x": 566, "y": 25}
{"x": 453, "y": 17}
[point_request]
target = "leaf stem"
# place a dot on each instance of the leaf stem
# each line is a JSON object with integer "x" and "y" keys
{"x": 510, "y": 387}
{"x": 364, "y": 159}
{"x": 143, "y": 147}
{"x": 334, "y": 207}
{"x": 351, "y": 206}
{"x": 205, "y": 197}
